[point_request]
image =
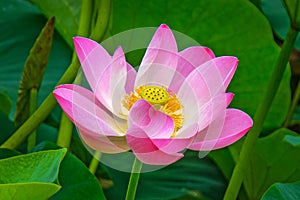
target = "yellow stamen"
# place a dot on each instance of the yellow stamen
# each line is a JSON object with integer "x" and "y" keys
{"x": 162, "y": 100}
{"x": 173, "y": 108}
{"x": 133, "y": 97}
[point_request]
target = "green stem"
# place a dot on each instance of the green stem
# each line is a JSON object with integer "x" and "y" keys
{"x": 95, "y": 13}
{"x": 134, "y": 179}
{"x": 293, "y": 106}
{"x": 33, "y": 97}
{"x": 94, "y": 162}
{"x": 100, "y": 28}
{"x": 260, "y": 116}
{"x": 65, "y": 131}
{"x": 85, "y": 18}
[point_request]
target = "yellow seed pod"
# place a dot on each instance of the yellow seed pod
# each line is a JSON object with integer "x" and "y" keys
{"x": 154, "y": 94}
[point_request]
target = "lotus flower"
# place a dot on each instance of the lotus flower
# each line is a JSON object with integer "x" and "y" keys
{"x": 176, "y": 100}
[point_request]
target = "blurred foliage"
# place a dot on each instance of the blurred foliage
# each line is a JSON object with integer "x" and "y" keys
{"x": 22, "y": 25}
{"x": 274, "y": 160}
{"x": 278, "y": 17}
{"x": 281, "y": 191}
{"x": 31, "y": 175}
{"x": 191, "y": 177}
{"x": 28, "y": 191}
{"x": 33, "y": 72}
{"x": 74, "y": 177}
{"x": 5, "y": 103}
{"x": 292, "y": 7}
{"x": 67, "y": 14}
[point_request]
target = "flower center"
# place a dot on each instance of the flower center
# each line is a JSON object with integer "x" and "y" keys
{"x": 161, "y": 99}
{"x": 154, "y": 94}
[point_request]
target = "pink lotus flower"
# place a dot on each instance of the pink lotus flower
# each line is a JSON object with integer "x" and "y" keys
{"x": 175, "y": 101}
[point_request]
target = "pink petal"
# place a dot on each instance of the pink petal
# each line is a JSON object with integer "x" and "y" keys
{"x": 159, "y": 63}
{"x": 155, "y": 123}
{"x": 158, "y": 158}
{"x": 193, "y": 57}
{"x": 209, "y": 79}
{"x": 223, "y": 132}
{"x": 112, "y": 84}
{"x": 215, "y": 108}
{"x": 147, "y": 152}
{"x": 227, "y": 66}
{"x": 163, "y": 39}
{"x": 189, "y": 59}
{"x": 191, "y": 104}
{"x": 172, "y": 145}
{"x": 179, "y": 142}
{"x": 86, "y": 112}
{"x": 188, "y": 130}
{"x": 218, "y": 71}
{"x": 195, "y": 111}
{"x": 131, "y": 76}
{"x": 93, "y": 58}
{"x": 110, "y": 144}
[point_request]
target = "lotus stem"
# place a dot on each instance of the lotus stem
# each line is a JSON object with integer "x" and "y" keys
{"x": 134, "y": 179}
{"x": 260, "y": 116}
{"x": 95, "y": 162}
{"x": 33, "y": 98}
{"x": 102, "y": 20}
{"x": 293, "y": 106}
